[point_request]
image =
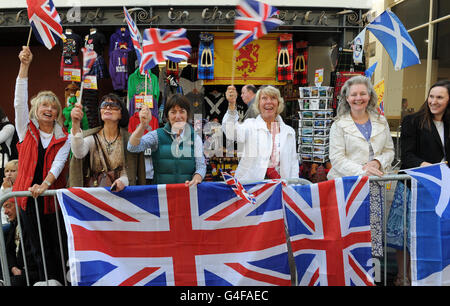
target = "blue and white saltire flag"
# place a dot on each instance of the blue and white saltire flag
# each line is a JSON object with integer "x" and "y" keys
{"x": 370, "y": 71}
{"x": 166, "y": 235}
{"x": 329, "y": 229}
{"x": 391, "y": 33}
{"x": 430, "y": 225}
{"x": 358, "y": 47}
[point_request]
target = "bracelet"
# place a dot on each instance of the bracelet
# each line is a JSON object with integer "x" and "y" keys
{"x": 47, "y": 182}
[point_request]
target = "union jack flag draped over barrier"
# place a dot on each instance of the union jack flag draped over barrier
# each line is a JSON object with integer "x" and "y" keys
{"x": 329, "y": 231}
{"x": 253, "y": 20}
{"x": 175, "y": 235}
{"x": 160, "y": 45}
{"x": 135, "y": 34}
{"x": 45, "y": 21}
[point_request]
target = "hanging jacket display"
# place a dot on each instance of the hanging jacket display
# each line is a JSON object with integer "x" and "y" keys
{"x": 215, "y": 105}
{"x": 119, "y": 39}
{"x": 118, "y": 68}
{"x": 136, "y": 86}
{"x": 70, "y": 49}
{"x": 96, "y": 41}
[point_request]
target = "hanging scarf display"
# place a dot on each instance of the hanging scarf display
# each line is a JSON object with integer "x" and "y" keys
{"x": 301, "y": 63}
{"x": 206, "y": 57}
{"x": 285, "y": 56}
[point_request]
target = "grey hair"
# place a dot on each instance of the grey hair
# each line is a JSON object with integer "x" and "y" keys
{"x": 344, "y": 107}
{"x": 271, "y": 92}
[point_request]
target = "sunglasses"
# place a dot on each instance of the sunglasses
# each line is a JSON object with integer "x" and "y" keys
{"x": 111, "y": 105}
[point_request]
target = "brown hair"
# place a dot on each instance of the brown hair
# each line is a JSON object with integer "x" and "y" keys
{"x": 426, "y": 117}
{"x": 174, "y": 100}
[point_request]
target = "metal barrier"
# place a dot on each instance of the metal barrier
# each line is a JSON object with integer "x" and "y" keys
{"x": 3, "y": 256}
{"x": 387, "y": 179}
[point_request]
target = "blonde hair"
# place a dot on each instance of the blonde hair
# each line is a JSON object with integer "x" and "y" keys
{"x": 45, "y": 96}
{"x": 12, "y": 163}
{"x": 272, "y": 92}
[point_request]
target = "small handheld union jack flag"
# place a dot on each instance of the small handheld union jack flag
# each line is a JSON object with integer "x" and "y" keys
{"x": 159, "y": 45}
{"x": 89, "y": 58}
{"x": 134, "y": 33}
{"x": 253, "y": 20}
{"x": 238, "y": 188}
{"x": 45, "y": 21}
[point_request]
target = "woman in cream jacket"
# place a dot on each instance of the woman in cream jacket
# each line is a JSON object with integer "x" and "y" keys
{"x": 266, "y": 145}
{"x": 360, "y": 139}
{"x": 361, "y": 144}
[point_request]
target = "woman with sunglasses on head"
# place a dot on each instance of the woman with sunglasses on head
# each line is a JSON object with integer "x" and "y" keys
{"x": 103, "y": 149}
{"x": 43, "y": 150}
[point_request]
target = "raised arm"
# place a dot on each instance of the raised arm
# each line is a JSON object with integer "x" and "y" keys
{"x": 21, "y": 93}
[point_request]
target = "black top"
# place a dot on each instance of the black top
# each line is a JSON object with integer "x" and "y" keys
{"x": 96, "y": 42}
{"x": 422, "y": 144}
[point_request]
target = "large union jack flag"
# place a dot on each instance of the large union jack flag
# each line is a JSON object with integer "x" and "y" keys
{"x": 175, "y": 235}
{"x": 45, "y": 21}
{"x": 253, "y": 20}
{"x": 329, "y": 232}
{"x": 160, "y": 45}
{"x": 135, "y": 34}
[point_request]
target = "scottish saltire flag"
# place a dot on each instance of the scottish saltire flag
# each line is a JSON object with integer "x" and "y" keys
{"x": 175, "y": 235}
{"x": 238, "y": 188}
{"x": 329, "y": 230}
{"x": 430, "y": 225}
{"x": 253, "y": 20}
{"x": 160, "y": 45}
{"x": 134, "y": 33}
{"x": 45, "y": 21}
{"x": 391, "y": 33}
{"x": 371, "y": 70}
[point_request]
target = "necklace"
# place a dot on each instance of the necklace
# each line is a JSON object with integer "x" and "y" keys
{"x": 109, "y": 148}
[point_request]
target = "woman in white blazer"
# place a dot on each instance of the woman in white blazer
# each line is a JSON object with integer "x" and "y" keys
{"x": 266, "y": 145}
{"x": 361, "y": 144}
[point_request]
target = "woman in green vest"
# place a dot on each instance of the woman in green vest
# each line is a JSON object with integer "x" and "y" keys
{"x": 177, "y": 152}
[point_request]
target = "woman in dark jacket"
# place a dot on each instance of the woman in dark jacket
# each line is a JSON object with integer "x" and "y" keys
{"x": 425, "y": 140}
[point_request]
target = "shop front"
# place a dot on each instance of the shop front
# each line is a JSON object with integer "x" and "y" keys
{"x": 311, "y": 39}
